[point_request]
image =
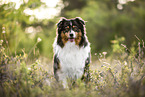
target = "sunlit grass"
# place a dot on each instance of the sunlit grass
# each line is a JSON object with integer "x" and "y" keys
{"x": 122, "y": 76}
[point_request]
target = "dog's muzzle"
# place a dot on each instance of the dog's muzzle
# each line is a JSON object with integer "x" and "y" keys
{"x": 72, "y": 36}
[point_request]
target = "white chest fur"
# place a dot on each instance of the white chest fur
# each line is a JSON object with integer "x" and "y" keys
{"x": 72, "y": 59}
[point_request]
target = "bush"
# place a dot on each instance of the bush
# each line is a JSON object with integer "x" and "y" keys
{"x": 114, "y": 76}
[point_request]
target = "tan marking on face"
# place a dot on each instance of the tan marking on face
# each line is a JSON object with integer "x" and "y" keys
{"x": 78, "y": 37}
{"x": 64, "y": 37}
{"x": 67, "y": 27}
{"x": 74, "y": 26}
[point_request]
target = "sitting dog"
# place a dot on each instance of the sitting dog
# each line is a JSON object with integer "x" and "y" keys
{"x": 71, "y": 51}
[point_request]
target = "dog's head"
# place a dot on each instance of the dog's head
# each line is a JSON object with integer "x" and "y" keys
{"x": 72, "y": 30}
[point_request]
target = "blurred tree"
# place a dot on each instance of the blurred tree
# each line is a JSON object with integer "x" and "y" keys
{"x": 70, "y": 5}
{"x": 20, "y": 31}
{"x": 130, "y": 21}
{"x": 14, "y": 21}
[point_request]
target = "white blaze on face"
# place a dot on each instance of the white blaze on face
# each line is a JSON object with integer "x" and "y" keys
{"x": 72, "y": 36}
{"x": 72, "y": 32}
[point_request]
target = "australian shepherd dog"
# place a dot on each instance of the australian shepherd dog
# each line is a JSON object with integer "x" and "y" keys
{"x": 71, "y": 51}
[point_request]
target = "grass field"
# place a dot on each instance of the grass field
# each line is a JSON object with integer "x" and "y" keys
{"x": 121, "y": 74}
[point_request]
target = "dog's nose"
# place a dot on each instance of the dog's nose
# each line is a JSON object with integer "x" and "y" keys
{"x": 71, "y": 34}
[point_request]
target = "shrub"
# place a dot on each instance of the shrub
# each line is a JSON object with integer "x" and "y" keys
{"x": 114, "y": 76}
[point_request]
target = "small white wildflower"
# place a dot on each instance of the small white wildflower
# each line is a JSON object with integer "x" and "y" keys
{"x": 125, "y": 63}
{"x": 3, "y": 31}
{"x": 95, "y": 53}
{"x": 104, "y": 53}
{"x": 29, "y": 68}
{"x": 39, "y": 39}
{"x": 2, "y": 41}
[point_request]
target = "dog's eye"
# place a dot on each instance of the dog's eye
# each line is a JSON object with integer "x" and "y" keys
{"x": 66, "y": 29}
{"x": 76, "y": 29}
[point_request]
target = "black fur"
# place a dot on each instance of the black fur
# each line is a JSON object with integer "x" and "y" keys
{"x": 83, "y": 42}
{"x": 86, "y": 75}
{"x": 59, "y": 41}
{"x": 56, "y": 67}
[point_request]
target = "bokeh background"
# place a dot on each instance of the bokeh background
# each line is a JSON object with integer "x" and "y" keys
{"x": 115, "y": 29}
{"x": 30, "y": 25}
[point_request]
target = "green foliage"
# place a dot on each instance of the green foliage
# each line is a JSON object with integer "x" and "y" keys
{"x": 123, "y": 77}
{"x": 24, "y": 70}
{"x": 116, "y": 45}
{"x": 16, "y": 27}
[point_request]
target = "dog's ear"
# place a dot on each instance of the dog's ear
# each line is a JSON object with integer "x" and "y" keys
{"x": 80, "y": 20}
{"x": 60, "y": 23}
